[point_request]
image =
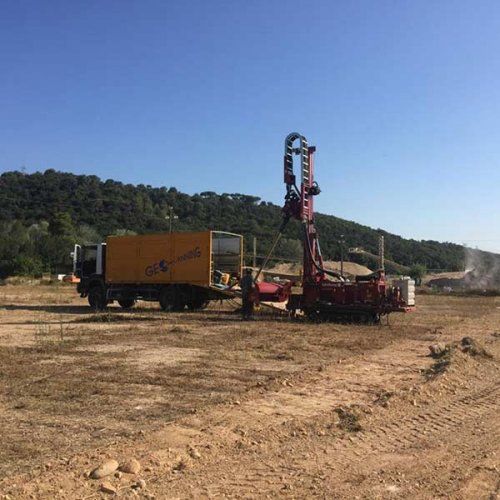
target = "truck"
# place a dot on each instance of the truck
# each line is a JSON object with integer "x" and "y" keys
{"x": 183, "y": 270}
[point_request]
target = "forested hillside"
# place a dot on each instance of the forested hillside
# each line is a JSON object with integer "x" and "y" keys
{"x": 43, "y": 214}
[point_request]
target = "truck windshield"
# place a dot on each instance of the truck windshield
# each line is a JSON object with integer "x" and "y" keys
{"x": 89, "y": 260}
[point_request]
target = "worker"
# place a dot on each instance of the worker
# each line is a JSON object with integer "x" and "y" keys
{"x": 247, "y": 294}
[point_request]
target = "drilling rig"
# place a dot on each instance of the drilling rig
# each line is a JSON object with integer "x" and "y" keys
{"x": 324, "y": 294}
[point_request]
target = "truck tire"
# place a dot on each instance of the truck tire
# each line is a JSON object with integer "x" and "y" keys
{"x": 97, "y": 298}
{"x": 126, "y": 303}
{"x": 172, "y": 299}
{"x": 197, "y": 304}
{"x": 166, "y": 299}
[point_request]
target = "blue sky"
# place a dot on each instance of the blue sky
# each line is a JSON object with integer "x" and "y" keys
{"x": 402, "y": 100}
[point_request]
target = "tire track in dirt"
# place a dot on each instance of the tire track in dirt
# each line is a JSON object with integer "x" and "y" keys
{"x": 350, "y": 454}
{"x": 425, "y": 425}
{"x": 365, "y": 451}
{"x": 357, "y": 381}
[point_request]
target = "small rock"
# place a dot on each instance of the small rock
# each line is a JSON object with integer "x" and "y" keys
{"x": 392, "y": 488}
{"x": 438, "y": 349}
{"x": 194, "y": 453}
{"x": 105, "y": 469}
{"x": 141, "y": 484}
{"x": 108, "y": 488}
{"x": 130, "y": 466}
{"x": 118, "y": 474}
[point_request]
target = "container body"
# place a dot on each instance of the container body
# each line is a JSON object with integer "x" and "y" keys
{"x": 159, "y": 258}
{"x": 172, "y": 258}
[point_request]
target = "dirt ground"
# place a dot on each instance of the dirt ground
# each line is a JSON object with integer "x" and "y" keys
{"x": 215, "y": 407}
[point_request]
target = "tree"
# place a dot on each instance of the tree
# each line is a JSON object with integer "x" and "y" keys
{"x": 61, "y": 224}
{"x": 123, "y": 232}
{"x": 85, "y": 209}
{"x": 417, "y": 272}
{"x": 289, "y": 249}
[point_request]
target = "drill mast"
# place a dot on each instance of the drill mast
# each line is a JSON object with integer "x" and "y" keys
{"x": 299, "y": 202}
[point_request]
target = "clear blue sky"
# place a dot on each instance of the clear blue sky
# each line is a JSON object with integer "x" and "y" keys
{"x": 401, "y": 98}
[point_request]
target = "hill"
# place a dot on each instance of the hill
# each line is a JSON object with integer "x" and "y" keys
{"x": 43, "y": 214}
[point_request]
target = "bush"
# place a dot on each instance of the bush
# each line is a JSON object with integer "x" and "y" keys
{"x": 24, "y": 265}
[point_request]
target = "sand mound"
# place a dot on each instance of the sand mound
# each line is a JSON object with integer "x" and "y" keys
{"x": 349, "y": 268}
{"x": 286, "y": 268}
{"x": 294, "y": 268}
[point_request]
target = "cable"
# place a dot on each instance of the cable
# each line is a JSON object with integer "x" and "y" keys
{"x": 278, "y": 236}
{"x": 315, "y": 264}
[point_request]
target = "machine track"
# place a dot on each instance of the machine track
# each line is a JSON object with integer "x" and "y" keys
{"x": 395, "y": 447}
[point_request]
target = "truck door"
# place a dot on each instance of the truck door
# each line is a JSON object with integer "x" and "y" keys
{"x": 88, "y": 260}
{"x": 76, "y": 254}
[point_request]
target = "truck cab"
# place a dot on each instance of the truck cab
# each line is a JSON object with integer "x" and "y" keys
{"x": 89, "y": 260}
{"x": 89, "y": 264}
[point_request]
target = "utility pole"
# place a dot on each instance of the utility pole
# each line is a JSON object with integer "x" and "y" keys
{"x": 254, "y": 261}
{"x": 341, "y": 241}
{"x": 381, "y": 253}
{"x": 171, "y": 217}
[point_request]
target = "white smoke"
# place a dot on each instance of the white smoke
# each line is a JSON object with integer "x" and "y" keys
{"x": 482, "y": 269}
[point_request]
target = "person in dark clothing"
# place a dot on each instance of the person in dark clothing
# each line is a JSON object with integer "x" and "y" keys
{"x": 247, "y": 292}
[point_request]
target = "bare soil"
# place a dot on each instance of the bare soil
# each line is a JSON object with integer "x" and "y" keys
{"x": 215, "y": 407}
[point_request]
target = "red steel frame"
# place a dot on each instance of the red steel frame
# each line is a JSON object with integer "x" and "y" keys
{"x": 368, "y": 298}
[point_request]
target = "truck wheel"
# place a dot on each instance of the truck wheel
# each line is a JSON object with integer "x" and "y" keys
{"x": 127, "y": 303}
{"x": 166, "y": 299}
{"x": 179, "y": 306}
{"x": 172, "y": 299}
{"x": 197, "y": 304}
{"x": 97, "y": 300}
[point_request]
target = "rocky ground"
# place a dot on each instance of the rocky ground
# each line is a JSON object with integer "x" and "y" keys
{"x": 194, "y": 405}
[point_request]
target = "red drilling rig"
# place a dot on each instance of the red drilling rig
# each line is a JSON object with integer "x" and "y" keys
{"x": 324, "y": 294}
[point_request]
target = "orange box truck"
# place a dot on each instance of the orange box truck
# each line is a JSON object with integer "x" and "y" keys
{"x": 179, "y": 270}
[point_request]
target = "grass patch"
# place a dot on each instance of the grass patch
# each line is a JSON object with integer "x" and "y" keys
{"x": 438, "y": 367}
{"x": 383, "y": 397}
{"x": 348, "y": 420}
{"x": 443, "y": 355}
{"x": 472, "y": 348}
